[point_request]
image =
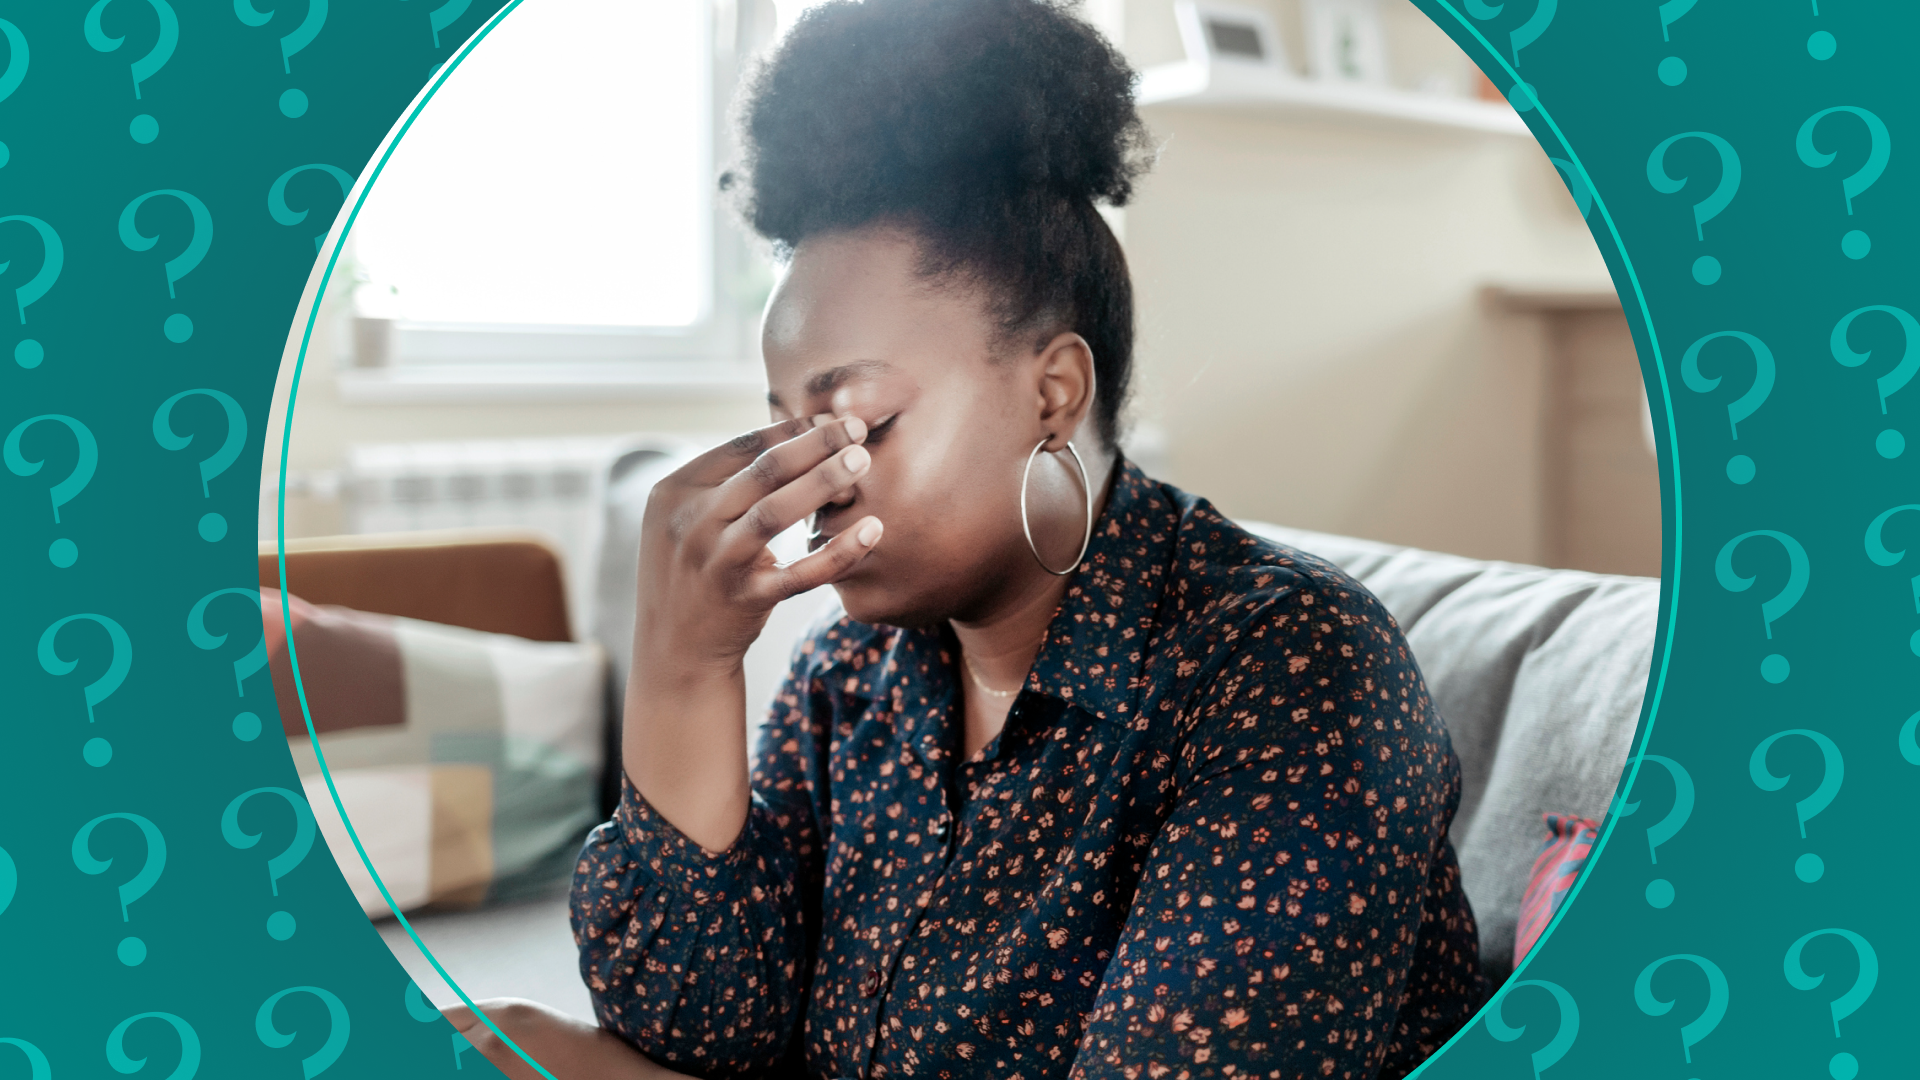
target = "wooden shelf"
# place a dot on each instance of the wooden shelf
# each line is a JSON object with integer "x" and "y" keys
{"x": 1186, "y": 84}
{"x": 1549, "y": 298}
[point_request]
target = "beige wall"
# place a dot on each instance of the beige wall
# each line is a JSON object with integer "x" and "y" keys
{"x": 1312, "y": 344}
{"x": 1312, "y": 339}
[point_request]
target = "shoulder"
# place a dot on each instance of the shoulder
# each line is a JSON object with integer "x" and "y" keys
{"x": 1280, "y": 652}
{"x": 1231, "y": 583}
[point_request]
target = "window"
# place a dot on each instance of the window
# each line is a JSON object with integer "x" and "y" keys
{"x": 551, "y": 215}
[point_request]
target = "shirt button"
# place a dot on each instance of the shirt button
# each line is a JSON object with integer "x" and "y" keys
{"x": 870, "y": 985}
{"x": 939, "y": 829}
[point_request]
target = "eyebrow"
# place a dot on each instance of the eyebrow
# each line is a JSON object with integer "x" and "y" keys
{"x": 826, "y": 382}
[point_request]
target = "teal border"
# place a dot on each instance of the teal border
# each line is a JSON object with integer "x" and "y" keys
{"x": 280, "y": 524}
{"x": 1670, "y": 580}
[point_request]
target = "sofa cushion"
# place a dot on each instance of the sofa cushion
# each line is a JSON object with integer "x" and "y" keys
{"x": 466, "y": 760}
{"x": 1539, "y": 674}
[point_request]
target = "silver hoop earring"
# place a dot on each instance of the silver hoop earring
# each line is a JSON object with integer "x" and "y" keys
{"x": 1085, "y": 484}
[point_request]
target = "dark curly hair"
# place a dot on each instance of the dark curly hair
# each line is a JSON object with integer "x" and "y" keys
{"x": 986, "y": 128}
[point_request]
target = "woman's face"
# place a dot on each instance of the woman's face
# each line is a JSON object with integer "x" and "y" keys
{"x": 852, "y": 330}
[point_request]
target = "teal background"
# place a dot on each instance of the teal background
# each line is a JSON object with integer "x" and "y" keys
{"x": 73, "y": 163}
{"x": 1726, "y": 994}
{"x": 1738, "y": 903}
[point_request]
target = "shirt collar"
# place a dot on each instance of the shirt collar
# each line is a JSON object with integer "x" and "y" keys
{"x": 1097, "y": 640}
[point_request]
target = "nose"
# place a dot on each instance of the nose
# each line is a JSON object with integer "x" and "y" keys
{"x": 818, "y": 520}
{"x": 840, "y": 501}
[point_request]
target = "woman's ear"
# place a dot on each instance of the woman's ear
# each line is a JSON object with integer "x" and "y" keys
{"x": 1067, "y": 387}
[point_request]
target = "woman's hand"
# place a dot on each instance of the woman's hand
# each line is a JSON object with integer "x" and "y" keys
{"x": 570, "y": 1049}
{"x": 707, "y": 578}
{"x": 707, "y": 584}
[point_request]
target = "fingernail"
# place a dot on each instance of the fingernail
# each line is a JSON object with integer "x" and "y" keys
{"x": 868, "y": 533}
{"x": 856, "y": 428}
{"x": 856, "y": 458}
{"x": 822, "y": 419}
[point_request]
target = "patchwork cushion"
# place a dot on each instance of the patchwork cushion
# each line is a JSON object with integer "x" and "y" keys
{"x": 468, "y": 762}
{"x": 1539, "y": 674}
{"x": 1557, "y": 866}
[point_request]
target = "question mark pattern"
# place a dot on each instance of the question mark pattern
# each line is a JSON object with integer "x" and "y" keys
{"x": 281, "y": 924}
{"x": 339, "y": 1030}
{"x": 1775, "y": 667}
{"x": 1740, "y": 468}
{"x": 131, "y": 951}
{"x": 1808, "y": 867}
{"x": 97, "y": 751}
{"x": 1721, "y": 129}
{"x": 1855, "y": 244}
{"x": 1709, "y": 189}
{"x": 293, "y": 101}
{"x": 188, "y": 1062}
{"x": 1706, "y": 269}
{"x": 212, "y": 526}
{"x": 28, "y": 352}
{"x": 135, "y": 819}
{"x": 63, "y": 552}
{"x": 1660, "y": 891}
{"x": 1890, "y": 443}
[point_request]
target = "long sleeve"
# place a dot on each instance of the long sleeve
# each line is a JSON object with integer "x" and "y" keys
{"x": 1302, "y": 870}
{"x": 702, "y": 961}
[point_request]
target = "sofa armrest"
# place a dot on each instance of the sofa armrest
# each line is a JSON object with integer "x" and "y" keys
{"x": 504, "y": 581}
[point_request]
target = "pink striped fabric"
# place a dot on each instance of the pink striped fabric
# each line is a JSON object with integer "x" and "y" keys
{"x": 1555, "y": 868}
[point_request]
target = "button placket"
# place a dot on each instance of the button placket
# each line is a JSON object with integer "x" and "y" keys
{"x": 941, "y": 829}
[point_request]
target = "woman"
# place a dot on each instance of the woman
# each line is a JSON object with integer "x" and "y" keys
{"x": 1086, "y": 780}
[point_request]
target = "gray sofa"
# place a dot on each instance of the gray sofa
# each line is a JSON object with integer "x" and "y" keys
{"x": 1538, "y": 673}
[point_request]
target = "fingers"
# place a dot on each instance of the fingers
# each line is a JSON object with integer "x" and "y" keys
{"x": 716, "y": 465}
{"x": 778, "y": 466}
{"x": 823, "y": 567}
{"x": 749, "y": 533}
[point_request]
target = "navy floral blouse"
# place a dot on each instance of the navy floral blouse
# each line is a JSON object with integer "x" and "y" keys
{"x": 1211, "y": 841}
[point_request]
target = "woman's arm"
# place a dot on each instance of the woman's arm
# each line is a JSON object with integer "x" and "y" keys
{"x": 703, "y": 961}
{"x": 1287, "y": 898}
{"x": 689, "y": 906}
{"x": 707, "y": 582}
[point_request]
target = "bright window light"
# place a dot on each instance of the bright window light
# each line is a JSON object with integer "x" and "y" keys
{"x": 787, "y": 12}
{"x": 560, "y": 176}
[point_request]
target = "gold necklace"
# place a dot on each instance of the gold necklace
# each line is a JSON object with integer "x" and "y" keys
{"x": 967, "y": 663}
{"x": 975, "y": 676}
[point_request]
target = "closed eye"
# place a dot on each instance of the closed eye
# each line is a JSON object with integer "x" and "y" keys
{"x": 879, "y": 430}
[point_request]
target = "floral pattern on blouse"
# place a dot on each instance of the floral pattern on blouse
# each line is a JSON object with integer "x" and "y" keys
{"x": 1211, "y": 841}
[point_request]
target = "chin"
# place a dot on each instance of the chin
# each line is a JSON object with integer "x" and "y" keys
{"x": 873, "y": 599}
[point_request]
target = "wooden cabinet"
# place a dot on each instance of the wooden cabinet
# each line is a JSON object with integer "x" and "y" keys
{"x": 1599, "y": 480}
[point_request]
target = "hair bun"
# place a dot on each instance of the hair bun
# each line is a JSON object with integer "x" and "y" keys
{"x": 927, "y": 108}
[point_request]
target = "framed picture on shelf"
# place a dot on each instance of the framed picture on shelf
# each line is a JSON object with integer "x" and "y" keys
{"x": 1225, "y": 35}
{"x": 1346, "y": 41}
